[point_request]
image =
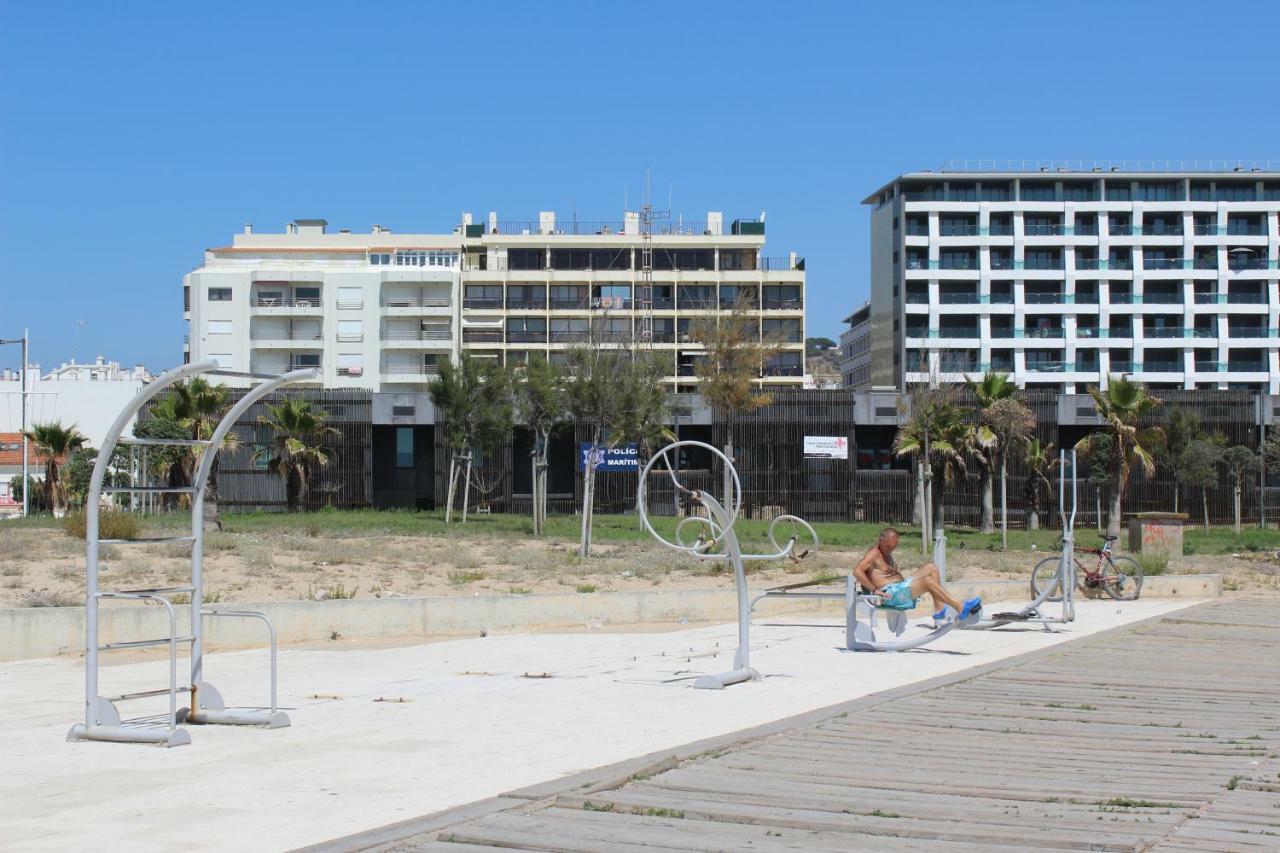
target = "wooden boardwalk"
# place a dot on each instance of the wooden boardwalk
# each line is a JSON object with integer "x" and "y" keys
{"x": 1159, "y": 736}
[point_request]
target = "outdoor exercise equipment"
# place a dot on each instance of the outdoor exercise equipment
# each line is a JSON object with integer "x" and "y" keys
{"x": 1063, "y": 581}
{"x": 716, "y": 540}
{"x": 102, "y": 719}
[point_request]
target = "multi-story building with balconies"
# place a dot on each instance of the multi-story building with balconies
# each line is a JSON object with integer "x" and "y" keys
{"x": 1062, "y": 275}
{"x": 380, "y": 310}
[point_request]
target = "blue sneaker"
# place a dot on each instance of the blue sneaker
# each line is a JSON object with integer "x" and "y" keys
{"x": 971, "y": 606}
{"x": 941, "y": 615}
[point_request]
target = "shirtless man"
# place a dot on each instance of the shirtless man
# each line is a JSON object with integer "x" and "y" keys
{"x": 879, "y": 573}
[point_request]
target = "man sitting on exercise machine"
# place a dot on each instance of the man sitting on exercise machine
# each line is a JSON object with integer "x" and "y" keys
{"x": 878, "y": 572}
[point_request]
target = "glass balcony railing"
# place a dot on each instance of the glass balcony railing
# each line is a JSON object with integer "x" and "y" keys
{"x": 1045, "y": 366}
{"x": 998, "y": 230}
{"x": 955, "y": 264}
{"x": 958, "y": 298}
{"x": 1047, "y": 299}
{"x": 1246, "y": 298}
{"x": 1092, "y": 332}
{"x": 1158, "y": 298}
{"x": 1246, "y": 366}
{"x": 1044, "y": 230}
{"x": 1161, "y": 367}
{"x": 1211, "y": 366}
{"x": 956, "y": 332}
{"x": 1002, "y": 263}
{"x": 1162, "y": 263}
{"x": 1164, "y": 333}
{"x": 1252, "y": 332}
{"x": 1039, "y": 333}
{"x": 917, "y": 299}
{"x": 957, "y": 230}
{"x": 1043, "y": 264}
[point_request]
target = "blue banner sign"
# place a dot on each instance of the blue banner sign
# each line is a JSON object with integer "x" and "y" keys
{"x": 623, "y": 457}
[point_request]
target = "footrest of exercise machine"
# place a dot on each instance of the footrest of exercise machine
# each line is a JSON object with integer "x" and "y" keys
{"x": 210, "y": 709}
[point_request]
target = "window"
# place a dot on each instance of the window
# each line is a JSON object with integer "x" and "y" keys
{"x": 350, "y": 364}
{"x": 482, "y": 296}
{"x": 223, "y": 359}
{"x": 219, "y": 327}
{"x": 1119, "y": 192}
{"x": 426, "y": 258}
{"x": 350, "y": 297}
{"x": 380, "y": 258}
{"x": 404, "y": 447}
{"x": 787, "y": 330}
{"x": 1038, "y": 192}
{"x": 611, "y": 296}
{"x": 306, "y": 297}
{"x": 1159, "y": 191}
{"x": 568, "y": 296}
{"x": 219, "y": 294}
{"x": 1236, "y": 192}
{"x": 350, "y": 330}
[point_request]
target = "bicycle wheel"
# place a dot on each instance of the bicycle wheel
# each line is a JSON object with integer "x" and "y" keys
{"x": 1045, "y": 576}
{"x": 1123, "y": 579}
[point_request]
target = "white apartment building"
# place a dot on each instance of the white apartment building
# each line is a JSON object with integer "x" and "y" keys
{"x": 380, "y": 310}
{"x": 1062, "y": 274}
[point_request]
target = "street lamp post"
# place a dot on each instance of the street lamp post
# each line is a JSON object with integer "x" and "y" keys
{"x": 22, "y": 394}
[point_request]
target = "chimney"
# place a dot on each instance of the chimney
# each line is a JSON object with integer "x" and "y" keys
{"x": 313, "y": 227}
{"x": 715, "y": 223}
{"x": 631, "y": 223}
{"x": 377, "y": 229}
{"x": 546, "y": 222}
{"x": 493, "y": 222}
{"x": 466, "y": 218}
{"x": 248, "y": 228}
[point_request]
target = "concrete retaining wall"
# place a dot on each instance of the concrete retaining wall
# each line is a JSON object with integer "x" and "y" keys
{"x": 46, "y": 632}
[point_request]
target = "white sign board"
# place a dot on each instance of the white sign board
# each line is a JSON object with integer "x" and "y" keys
{"x": 826, "y": 447}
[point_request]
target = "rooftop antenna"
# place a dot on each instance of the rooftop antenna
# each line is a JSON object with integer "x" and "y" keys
{"x": 644, "y": 291}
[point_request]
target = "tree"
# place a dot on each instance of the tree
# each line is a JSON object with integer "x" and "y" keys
{"x": 171, "y": 465}
{"x": 1039, "y": 461}
{"x": 729, "y": 374}
{"x": 474, "y": 405}
{"x": 1122, "y": 405}
{"x": 540, "y": 398}
{"x": 1011, "y": 422}
{"x": 1198, "y": 469}
{"x": 1182, "y": 428}
{"x": 54, "y": 441}
{"x": 297, "y": 447}
{"x": 940, "y": 439}
{"x": 188, "y": 410}
{"x": 618, "y": 396}
{"x": 1242, "y": 463}
{"x": 990, "y": 389}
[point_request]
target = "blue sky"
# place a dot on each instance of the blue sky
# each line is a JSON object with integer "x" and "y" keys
{"x": 132, "y": 136}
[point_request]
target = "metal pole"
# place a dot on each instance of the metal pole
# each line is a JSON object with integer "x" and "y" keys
{"x": 26, "y": 491}
{"x": 1262, "y": 473}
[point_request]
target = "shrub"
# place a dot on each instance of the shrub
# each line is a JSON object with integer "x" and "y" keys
{"x": 331, "y": 593}
{"x": 586, "y": 587}
{"x": 48, "y": 598}
{"x": 112, "y": 524}
{"x": 458, "y": 577}
{"x": 1152, "y": 563}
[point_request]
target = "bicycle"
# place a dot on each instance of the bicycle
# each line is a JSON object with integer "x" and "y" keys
{"x": 1119, "y": 577}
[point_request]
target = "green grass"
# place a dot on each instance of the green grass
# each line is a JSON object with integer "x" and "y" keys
{"x": 624, "y": 528}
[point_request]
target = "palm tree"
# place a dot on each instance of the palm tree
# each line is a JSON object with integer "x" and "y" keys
{"x": 1038, "y": 458}
{"x": 988, "y": 390}
{"x": 940, "y": 424}
{"x": 298, "y": 446}
{"x": 1121, "y": 406}
{"x": 53, "y": 441}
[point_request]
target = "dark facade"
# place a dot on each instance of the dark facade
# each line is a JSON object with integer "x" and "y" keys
{"x": 401, "y": 462}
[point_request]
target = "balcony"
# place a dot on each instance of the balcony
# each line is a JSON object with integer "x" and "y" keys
{"x": 1045, "y": 230}
{"x": 570, "y": 304}
{"x": 1163, "y": 263}
{"x": 281, "y": 337}
{"x": 486, "y": 302}
{"x": 1092, "y": 332}
{"x": 1203, "y": 229}
{"x": 1039, "y": 333}
{"x": 780, "y": 370}
{"x": 417, "y": 334}
{"x": 1246, "y": 298}
{"x": 1247, "y": 366}
{"x": 1000, "y": 230}
{"x": 783, "y": 264}
{"x": 1046, "y": 299}
{"x": 957, "y": 230}
{"x": 1086, "y": 229}
{"x": 956, "y": 264}
{"x": 285, "y": 302}
{"x": 526, "y": 337}
{"x": 1158, "y": 298}
{"x": 773, "y": 303}
{"x": 958, "y": 299}
{"x": 700, "y": 303}
{"x": 1164, "y": 332}
{"x": 570, "y": 336}
{"x": 1236, "y": 264}
{"x": 956, "y": 332}
{"x": 410, "y": 370}
{"x": 1121, "y": 229}
{"x": 537, "y": 304}
{"x": 1044, "y": 366}
{"x": 1210, "y": 367}
{"x": 415, "y": 301}
{"x": 304, "y": 364}
{"x": 1251, "y": 332}
{"x": 1161, "y": 366}
{"x": 1002, "y": 263}
{"x": 917, "y": 299}
{"x": 477, "y": 336}
{"x": 730, "y": 304}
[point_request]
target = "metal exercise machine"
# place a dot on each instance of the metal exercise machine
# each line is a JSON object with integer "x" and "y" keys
{"x": 102, "y": 720}
{"x": 1063, "y": 582}
{"x": 717, "y": 540}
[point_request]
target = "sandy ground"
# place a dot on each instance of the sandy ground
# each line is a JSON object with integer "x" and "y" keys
{"x": 47, "y": 566}
{"x": 389, "y": 734}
